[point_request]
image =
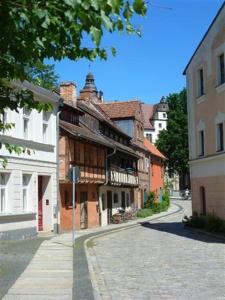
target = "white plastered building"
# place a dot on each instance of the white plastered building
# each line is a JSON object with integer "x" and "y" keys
{"x": 29, "y": 183}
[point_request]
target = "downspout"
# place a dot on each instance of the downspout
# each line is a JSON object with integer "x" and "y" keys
{"x": 106, "y": 165}
{"x": 57, "y": 208}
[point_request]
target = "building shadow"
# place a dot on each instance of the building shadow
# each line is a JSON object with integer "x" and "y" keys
{"x": 178, "y": 228}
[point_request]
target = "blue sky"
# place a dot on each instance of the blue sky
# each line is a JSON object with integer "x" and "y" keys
{"x": 149, "y": 67}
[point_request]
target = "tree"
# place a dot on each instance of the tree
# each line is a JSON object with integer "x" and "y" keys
{"x": 173, "y": 142}
{"x": 44, "y": 76}
{"x": 33, "y": 30}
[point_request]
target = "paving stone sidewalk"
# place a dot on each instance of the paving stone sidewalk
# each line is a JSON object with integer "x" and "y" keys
{"x": 49, "y": 274}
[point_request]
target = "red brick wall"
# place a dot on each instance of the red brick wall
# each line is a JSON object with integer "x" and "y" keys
{"x": 156, "y": 176}
{"x": 66, "y": 210}
{"x": 68, "y": 91}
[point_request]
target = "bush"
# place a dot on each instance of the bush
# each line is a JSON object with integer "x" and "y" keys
{"x": 152, "y": 207}
{"x": 210, "y": 223}
{"x": 145, "y": 212}
{"x": 151, "y": 198}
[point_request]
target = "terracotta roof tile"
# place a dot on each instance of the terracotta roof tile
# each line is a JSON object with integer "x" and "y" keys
{"x": 153, "y": 149}
{"x": 122, "y": 110}
{"x": 148, "y": 111}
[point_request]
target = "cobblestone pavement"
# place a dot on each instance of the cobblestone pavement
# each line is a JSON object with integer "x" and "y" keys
{"x": 14, "y": 257}
{"x": 159, "y": 260}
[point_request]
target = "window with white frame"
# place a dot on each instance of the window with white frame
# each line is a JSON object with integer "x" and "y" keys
{"x": 3, "y": 191}
{"x": 26, "y": 120}
{"x": 220, "y": 137}
{"x": 25, "y": 194}
{"x": 160, "y": 125}
{"x": 200, "y": 81}
{"x": 201, "y": 143}
{"x": 221, "y": 68}
{"x": 45, "y": 126}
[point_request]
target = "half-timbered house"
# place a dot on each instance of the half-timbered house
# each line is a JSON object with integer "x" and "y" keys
{"x": 107, "y": 162}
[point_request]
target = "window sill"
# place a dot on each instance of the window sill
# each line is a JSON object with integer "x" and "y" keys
{"x": 220, "y": 88}
{"x": 200, "y": 99}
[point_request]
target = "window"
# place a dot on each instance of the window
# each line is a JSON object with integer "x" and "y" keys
{"x": 3, "y": 117}
{"x": 164, "y": 115}
{"x": 220, "y": 137}
{"x": 26, "y": 180}
{"x": 221, "y": 69}
{"x": 45, "y": 127}
{"x": 149, "y": 137}
{"x": 160, "y": 125}
{"x": 200, "y": 82}
{"x": 115, "y": 198}
{"x": 26, "y": 119}
{"x": 201, "y": 143}
{"x": 3, "y": 186}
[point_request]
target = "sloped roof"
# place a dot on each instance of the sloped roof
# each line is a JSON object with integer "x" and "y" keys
{"x": 84, "y": 132}
{"x": 122, "y": 109}
{"x": 148, "y": 111}
{"x": 153, "y": 149}
{"x": 94, "y": 110}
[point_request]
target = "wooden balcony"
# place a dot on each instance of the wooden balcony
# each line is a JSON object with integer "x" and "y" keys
{"x": 123, "y": 177}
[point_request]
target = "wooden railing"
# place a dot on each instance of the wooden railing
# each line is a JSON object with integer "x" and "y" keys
{"x": 123, "y": 177}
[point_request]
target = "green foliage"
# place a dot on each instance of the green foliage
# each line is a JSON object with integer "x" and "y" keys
{"x": 153, "y": 207}
{"x": 35, "y": 30}
{"x": 210, "y": 223}
{"x": 145, "y": 212}
{"x": 43, "y": 75}
{"x": 151, "y": 198}
{"x": 173, "y": 142}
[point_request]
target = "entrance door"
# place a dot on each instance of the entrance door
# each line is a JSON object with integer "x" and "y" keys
{"x": 83, "y": 210}
{"x": 40, "y": 204}
{"x": 109, "y": 206}
{"x": 123, "y": 200}
{"x": 203, "y": 200}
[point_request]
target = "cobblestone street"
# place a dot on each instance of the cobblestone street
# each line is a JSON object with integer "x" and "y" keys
{"x": 159, "y": 260}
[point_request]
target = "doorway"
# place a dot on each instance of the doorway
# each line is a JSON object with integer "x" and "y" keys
{"x": 40, "y": 203}
{"x": 83, "y": 210}
{"x": 109, "y": 206}
{"x": 203, "y": 201}
{"x": 123, "y": 200}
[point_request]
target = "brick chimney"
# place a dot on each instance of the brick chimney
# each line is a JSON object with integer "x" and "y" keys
{"x": 68, "y": 91}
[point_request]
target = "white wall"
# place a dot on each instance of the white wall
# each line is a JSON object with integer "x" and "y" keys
{"x": 115, "y": 206}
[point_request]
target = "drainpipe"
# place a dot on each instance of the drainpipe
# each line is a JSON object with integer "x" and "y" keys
{"x": 106, "y": 165}
{"x": 56, "y": 210}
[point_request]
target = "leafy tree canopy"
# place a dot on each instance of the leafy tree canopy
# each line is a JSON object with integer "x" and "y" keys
{"x": 173, "y": 142}
{"x": 33, "y": 30}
